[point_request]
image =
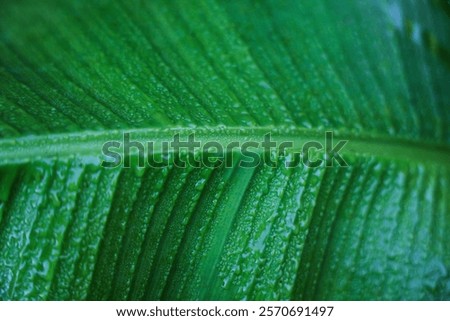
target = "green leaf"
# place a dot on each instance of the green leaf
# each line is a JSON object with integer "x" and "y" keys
{"x": 77, "y": 74}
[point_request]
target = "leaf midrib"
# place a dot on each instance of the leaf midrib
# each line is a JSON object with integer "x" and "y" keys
{"x": 88, "y": 144}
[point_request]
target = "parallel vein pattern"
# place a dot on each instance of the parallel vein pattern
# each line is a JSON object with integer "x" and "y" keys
{"x": 375, "y": 72}
{"x": 288, "y": 233}
{"x": 374, "y": 67}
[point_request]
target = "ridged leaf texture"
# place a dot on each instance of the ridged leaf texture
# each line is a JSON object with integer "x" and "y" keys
{"x": 75, "y": 74}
